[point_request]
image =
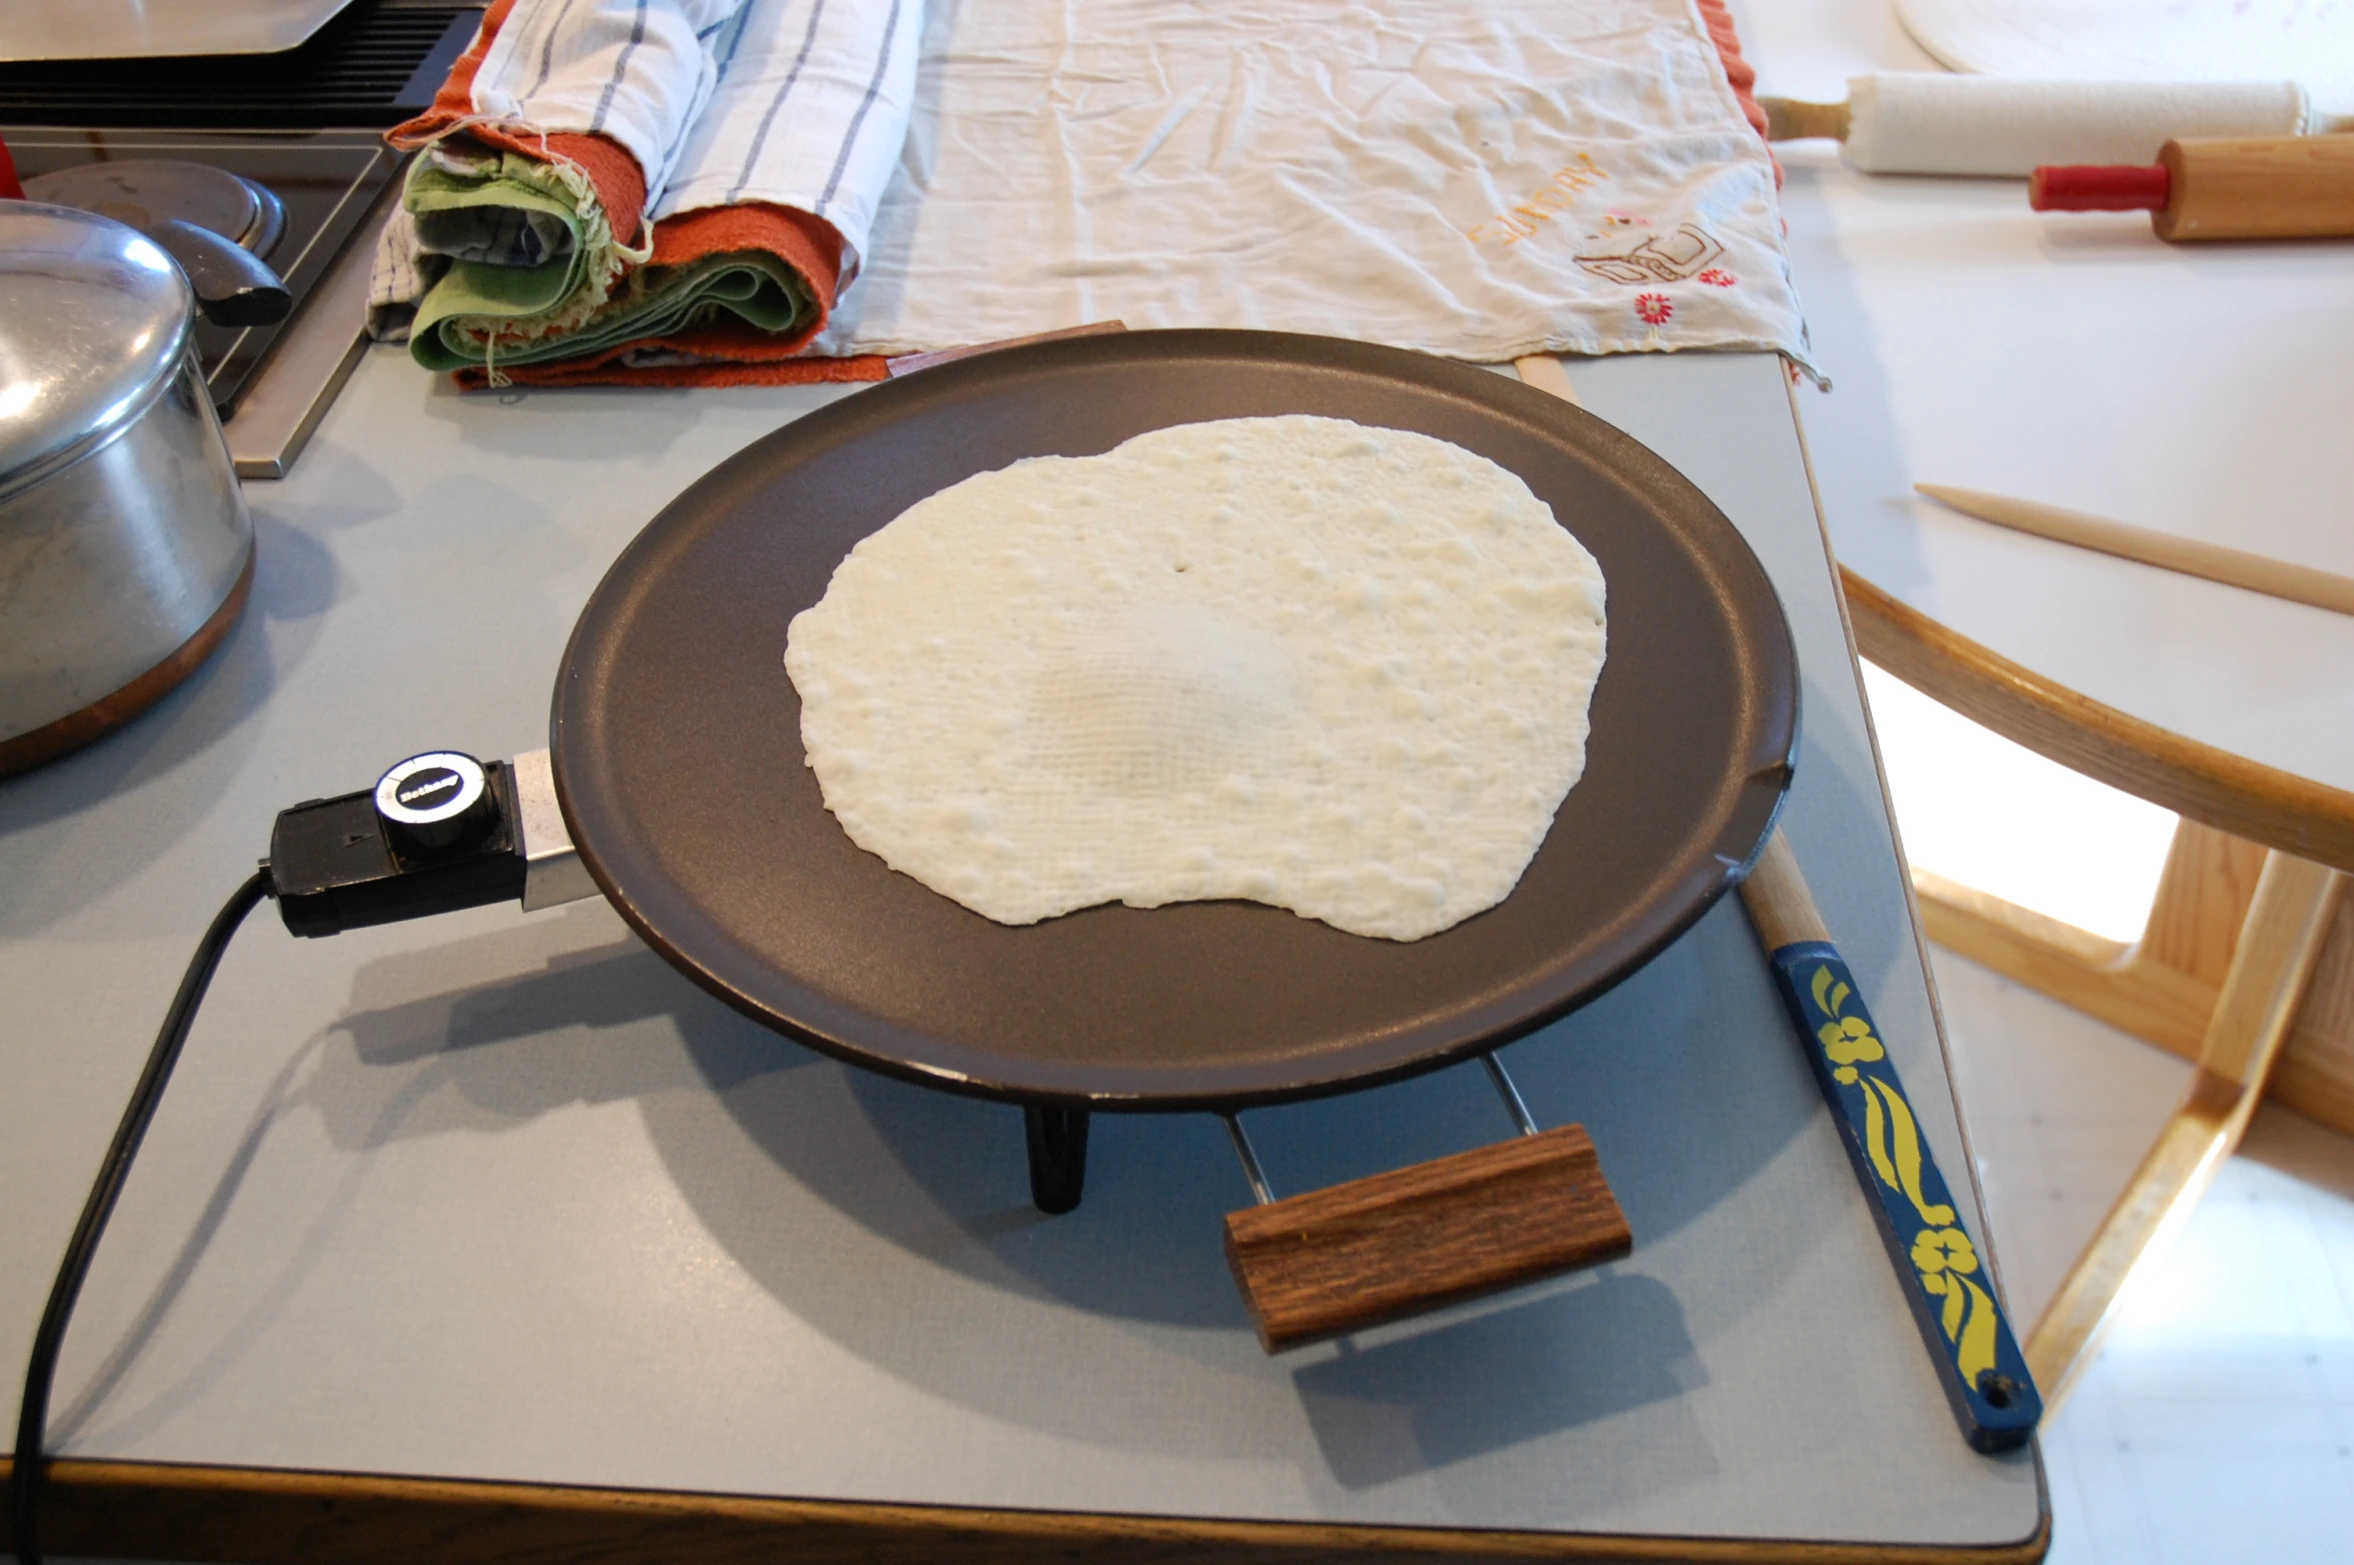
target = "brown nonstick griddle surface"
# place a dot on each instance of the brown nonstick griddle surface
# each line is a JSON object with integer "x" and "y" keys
{"x": 678, "y": 757}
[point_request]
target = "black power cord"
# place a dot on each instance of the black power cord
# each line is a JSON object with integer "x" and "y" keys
{"x": 30, "y": 1472}
{"x": 438, "y": 832}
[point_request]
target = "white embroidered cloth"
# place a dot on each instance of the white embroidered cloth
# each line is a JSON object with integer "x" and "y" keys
{"x": 1475, "y": 178}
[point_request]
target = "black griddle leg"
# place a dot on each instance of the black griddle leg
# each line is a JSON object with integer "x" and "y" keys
{"x": 1058, "y": 1157}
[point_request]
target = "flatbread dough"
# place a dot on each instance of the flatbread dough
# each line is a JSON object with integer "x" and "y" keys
{"x": 1339, "y": 669}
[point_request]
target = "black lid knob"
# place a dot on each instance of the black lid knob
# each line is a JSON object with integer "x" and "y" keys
{"x": 436, "y": 803}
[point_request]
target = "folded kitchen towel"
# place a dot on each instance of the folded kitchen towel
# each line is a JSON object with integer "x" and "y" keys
{"x": 758, "y": 209}
{"x": 730, "y": 297}
{"x": 506, "y": 222}
{"x": 788, "y": 161}
{"x": 809, "y": 113}
{"x": 603, "y": 91}
{"x": 489, "y": 163}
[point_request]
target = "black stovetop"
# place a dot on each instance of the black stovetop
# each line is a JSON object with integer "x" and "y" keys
{"x": 304, "y": 122}
{"x": 327, "y": 179}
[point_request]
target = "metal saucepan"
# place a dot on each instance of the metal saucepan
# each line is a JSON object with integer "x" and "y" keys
{"x": 125, "y": 549}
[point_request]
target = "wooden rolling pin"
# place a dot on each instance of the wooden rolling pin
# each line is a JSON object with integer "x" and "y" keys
{"x": 2258, "y": 187}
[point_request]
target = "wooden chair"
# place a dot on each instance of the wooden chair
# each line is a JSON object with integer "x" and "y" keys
{"x": 2246, "y": 966}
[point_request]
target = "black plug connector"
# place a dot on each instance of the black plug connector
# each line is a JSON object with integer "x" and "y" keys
{"x": 440, "y": 832}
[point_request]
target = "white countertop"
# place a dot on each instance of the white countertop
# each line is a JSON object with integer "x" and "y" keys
{"x": 500, "y": 1196}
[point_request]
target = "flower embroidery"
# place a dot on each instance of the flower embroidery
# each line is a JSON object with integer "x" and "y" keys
{"x": 1717, "y": 277}
{"x": 1654, "y": 308}
{"x": 1937, "y": 1250}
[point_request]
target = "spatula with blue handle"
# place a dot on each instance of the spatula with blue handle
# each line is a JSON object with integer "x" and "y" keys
{"x": 1941, "y": 1269}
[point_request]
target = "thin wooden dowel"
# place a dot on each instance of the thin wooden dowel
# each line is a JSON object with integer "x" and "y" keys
{"x": 1545, "y": 372}
{"x": 2208, "y": 561}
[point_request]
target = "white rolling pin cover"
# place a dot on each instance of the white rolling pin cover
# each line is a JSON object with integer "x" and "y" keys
{"x": 1929, "y": 122}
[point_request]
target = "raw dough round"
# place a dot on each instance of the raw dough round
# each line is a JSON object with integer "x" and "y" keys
{"x": 1339, "y": 669}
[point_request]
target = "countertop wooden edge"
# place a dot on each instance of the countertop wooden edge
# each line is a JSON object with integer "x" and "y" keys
{"x": 258, "y": 1516}
{"x": 2245, "y": 798}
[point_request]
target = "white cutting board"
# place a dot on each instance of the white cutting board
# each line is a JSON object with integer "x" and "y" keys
{"x": 2306, "y": 41}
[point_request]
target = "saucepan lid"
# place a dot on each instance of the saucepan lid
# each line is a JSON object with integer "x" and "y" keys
{"x": 679, "y": 763}
{"x": 94, "y": 323}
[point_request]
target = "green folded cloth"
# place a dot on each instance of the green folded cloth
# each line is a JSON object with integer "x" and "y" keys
{"x": 487, "y": 209}
{"x": 501, "y": 235}
{"x": 471, "y": 318}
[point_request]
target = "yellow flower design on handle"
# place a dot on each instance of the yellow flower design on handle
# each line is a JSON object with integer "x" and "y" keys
{"x": 1892, "y": 1156}
{"x": 1849, "y": 1043}
{"x": 1944, "y": 1257}
{"x": 1846, "y": 1040}
{"x": 1943, "y": 1250}
{"x": 1892, "y": 1140}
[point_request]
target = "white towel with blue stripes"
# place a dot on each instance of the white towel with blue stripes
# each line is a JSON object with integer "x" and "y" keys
{"x": 809, "y": 108}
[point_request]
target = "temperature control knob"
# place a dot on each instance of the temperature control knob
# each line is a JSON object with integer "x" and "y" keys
{"x": 435, "y": 804}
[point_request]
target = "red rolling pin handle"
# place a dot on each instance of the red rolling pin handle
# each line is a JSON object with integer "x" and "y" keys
{"x": 2095, "y": 187}
{"x": 2245, "y": 187}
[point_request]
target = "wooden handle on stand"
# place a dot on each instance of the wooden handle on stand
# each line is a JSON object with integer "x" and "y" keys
{"x": 1413, "y": 1239}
